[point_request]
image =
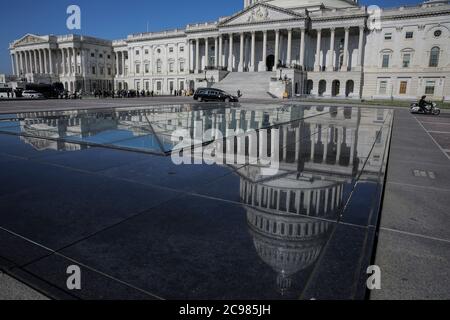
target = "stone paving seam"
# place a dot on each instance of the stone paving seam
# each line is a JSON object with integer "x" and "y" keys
{"x": 418, "y": 186}
{"x": 414, "y": 234}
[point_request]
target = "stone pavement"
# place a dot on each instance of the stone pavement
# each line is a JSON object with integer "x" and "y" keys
{"x": 11, "y": 289}
{"x": 414, "y": 240}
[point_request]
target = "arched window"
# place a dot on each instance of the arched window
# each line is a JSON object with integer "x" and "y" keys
{"x": 434, "y": 57}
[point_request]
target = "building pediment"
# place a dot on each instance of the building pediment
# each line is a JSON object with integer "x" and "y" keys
{"x": 260, "y": 13}
{"x": 30, "y": 39}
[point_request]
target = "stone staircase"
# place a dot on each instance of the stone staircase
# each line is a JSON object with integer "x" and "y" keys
{"x": 253, "y": 85}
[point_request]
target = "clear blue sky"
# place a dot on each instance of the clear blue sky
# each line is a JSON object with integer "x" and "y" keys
{"x": 114, "y": 19}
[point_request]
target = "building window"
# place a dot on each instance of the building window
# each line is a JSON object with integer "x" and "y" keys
{"x": 409, "y": 35}
{"x": 100, "y": 55}
{"x": 158, "y": 51}
{"x": 159, "y": 86}
{"x": 138, "y": 86}
{"x": 181, "y": 66}
{"x": 102, "y": 70}
{"x": 109, "y": 71}
{"x": 388, "y": 36}
{"x": 383, "y": 87}
{"x": 385, "y": 63}
{"x": 430, "y": 87}
{"x": 437, "y": 33}
{"x": 171, "y": 65}
{"x": 137, "y": 52}
{"x": 403, "y": 87}
{"x": 109, "y": 56}
{"x": 146, "y": 51}
{"x": 92, "y": 55}
{"x": 434, "y": 57}
{"x": 79, "y": 70}
{"x": 159, "y": 66}
{"x": 181, "y": 49}
{"x": 171, "y": 50}
{"x": 147, "y": 86}
{"x": 147, "y": 68}
{"x": 406, "y": 60}
{"x": 138, "y": 68}
{"x": 94, "y": 71}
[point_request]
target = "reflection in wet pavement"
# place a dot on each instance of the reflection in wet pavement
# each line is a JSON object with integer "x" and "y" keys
{"x": 286, "y": 227}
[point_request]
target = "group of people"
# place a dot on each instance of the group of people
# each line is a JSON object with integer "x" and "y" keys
{"x": 134, "y": 93}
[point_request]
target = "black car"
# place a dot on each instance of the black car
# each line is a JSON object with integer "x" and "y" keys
{"x": 209, "y": 94}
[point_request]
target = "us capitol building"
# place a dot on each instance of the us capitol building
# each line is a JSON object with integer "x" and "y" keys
{"x": 323, "y": 48}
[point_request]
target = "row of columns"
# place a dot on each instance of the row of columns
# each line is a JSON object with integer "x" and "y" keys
{"x": 195, "y": 64}
{"x": 42, "y": 61}
{"x": 331, "y": 59}
{"x": 309, "y": 201}
{"x": 121, "y": 63}
{"x": 32, "y": 61}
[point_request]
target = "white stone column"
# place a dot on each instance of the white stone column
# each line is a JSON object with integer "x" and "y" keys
{"x": 41, "y": 64}
{"x": 264, "y": 55}
{"x": 124, "y": 61}
{"x": 35, "y": 62}
{"x": 25, "y": 60}
{"x": 360, "y": 46}
{"x": 206, "y": 53}
{"x": 197, "y": 55}
{"x": 190, "y": 56}
{"x": 220, "y": 62}
{"x": 289, "y": 48}
{"x": 241, "y": 53}
{"x": 12, "y": 64}
{"x": 70, "y": 50}
{"x": 83, "y": 62}
{"x": 50, "y": 60}
{"x": 325, "y": 140}
{"x": 330, "y": 64}
{"x": 339, "y": 145}
{"x": 318, "y": 49}
{"x": 277, "y": 48}
{"x": 345, "y": 63}
{"x": 20, "y": 62}
{"x": 230, "y": 57}
{"x": 117, "y": 63}
{"x": 63, "y": 61}
{"x": 17, "y": 61}
{"x": 253, "y": 52}
{"x": 216, "y": 52}
{"x": 302, "y": 48}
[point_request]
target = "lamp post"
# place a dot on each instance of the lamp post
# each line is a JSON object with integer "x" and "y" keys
{"x": 281, "y": 73}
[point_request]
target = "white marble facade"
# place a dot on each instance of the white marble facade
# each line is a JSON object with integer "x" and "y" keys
{"x": 325, "y": 47}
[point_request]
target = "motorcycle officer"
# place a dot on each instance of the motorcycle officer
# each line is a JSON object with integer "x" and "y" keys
{"x": 423, "y": 104}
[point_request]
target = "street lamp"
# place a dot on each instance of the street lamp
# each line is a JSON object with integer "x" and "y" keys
{"x": 281, "y": 73}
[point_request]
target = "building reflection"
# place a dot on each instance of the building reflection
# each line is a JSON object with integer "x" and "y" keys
{"x": 290, "y": 215}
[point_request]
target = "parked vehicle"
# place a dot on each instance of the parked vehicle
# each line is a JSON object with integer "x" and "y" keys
{"x": 6, "y": 93}
{"x": 432, "y": 109}
{"x": 209, "y": 94}
{"x": 31, "y": 94}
